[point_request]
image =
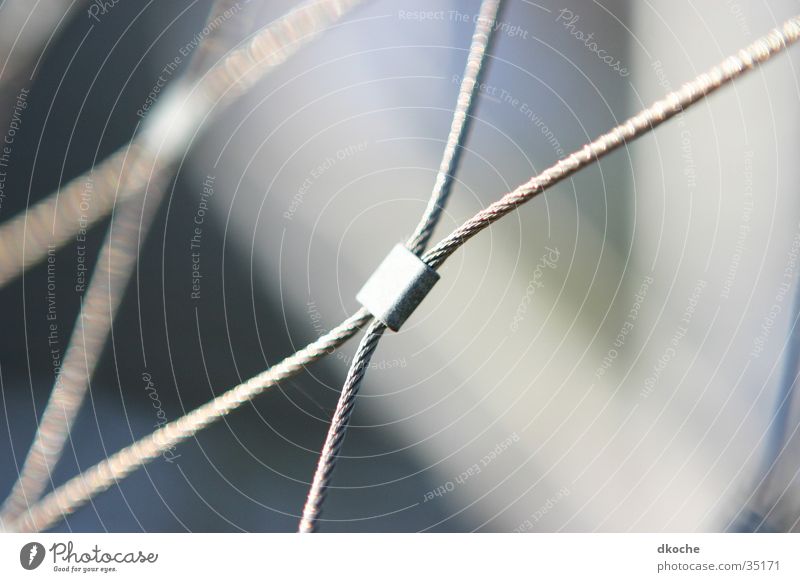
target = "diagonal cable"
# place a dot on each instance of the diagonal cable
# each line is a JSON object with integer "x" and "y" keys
{"x": 459, "y": 131}
{"x": 82, "y": 488}
{"x": 460, "y": 127}
{"x": 116, "y": 260}
{"x": 470, "y": 84}
{"x": 221, "y": 38}
{"x": 55, "y": 220}
{"x": 131, "y": 221}
{"x": 646, "y": 120}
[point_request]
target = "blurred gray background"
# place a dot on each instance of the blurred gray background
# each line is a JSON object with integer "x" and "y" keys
{"x": 611, "y": 357}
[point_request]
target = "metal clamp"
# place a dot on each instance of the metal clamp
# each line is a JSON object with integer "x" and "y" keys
{"x": 397, "y": 287}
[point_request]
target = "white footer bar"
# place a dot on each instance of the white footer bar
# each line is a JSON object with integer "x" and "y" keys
{"x": 353, "y": 557}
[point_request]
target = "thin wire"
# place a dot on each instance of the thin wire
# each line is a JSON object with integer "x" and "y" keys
{"x": 80, "y": 489}
{"x": 338, "y": 427}
{"x": 51, "y": 223}
{"x": 221, "y": 38}
{"x": 272, "y": 46}
{"x": 482, "y": 41}
{"x": 135, "y": 457}
{"x": 459, "y": 130}
{"x": 636, "y": 126}
{"x": 116, "y": 263}
{"x": 26, "y": 239}
{"x": 643, "y": 122}
{"x": 55, "y": 220}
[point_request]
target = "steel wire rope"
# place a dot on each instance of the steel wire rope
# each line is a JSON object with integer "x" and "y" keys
{"x": 459, "y": 130}
{"x": 450, "y": 159}
{"x": 646, "y": 120}
{"x": 54, "y": 220}
{"x": 115, "y": 262}
{"x": 80, "y": 489}
{"x": 470, "y": 87}
{"x": 131, "y": 220}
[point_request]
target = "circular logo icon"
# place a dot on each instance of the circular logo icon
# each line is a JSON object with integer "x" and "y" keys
{"x": 31, "y": 555}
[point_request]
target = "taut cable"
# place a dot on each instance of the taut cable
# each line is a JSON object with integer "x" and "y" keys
{"x": 82, "y": 488}
{"x": 171, "y": 127}
{"x": 56, "y": 219}
{"x": 459, "y": 131}
{"x": 636, "y": 126}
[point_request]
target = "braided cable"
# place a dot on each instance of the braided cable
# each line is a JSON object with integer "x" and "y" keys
{"x": 482, "y": 41}
{"x": 221, "y": 39}
{"x": 51, "y": 223}
{"x": 116, "y": 262}
{"x": 55, "y": 220}
{"x": 82, "y": 488}
{"x": 341, "y": 418}
{"x": 643, "y": 122}
{"x": 86, "y": 199}
{"x": 459, "y": 131}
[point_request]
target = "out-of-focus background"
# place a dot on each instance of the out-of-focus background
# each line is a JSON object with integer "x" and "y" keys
{"x": 614, "y": 356}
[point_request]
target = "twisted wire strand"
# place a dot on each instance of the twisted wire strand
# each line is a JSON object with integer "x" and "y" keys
{"x": 116, "y": 262}
{"x": 121, "y": 464}
{"x": 460, "y": 126}
{"x": 272, "y": 46}
{"x": 80, "y": 489}
{"x": 56, "y": 219}
{"x": 338, "y": 427}
{"x": 482, "y": 41}
{"x": 221, "y": 39}
{"x": 643, "y": 122}
{"x": 646, "y": 120}
{"x": 26, "y": 238}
